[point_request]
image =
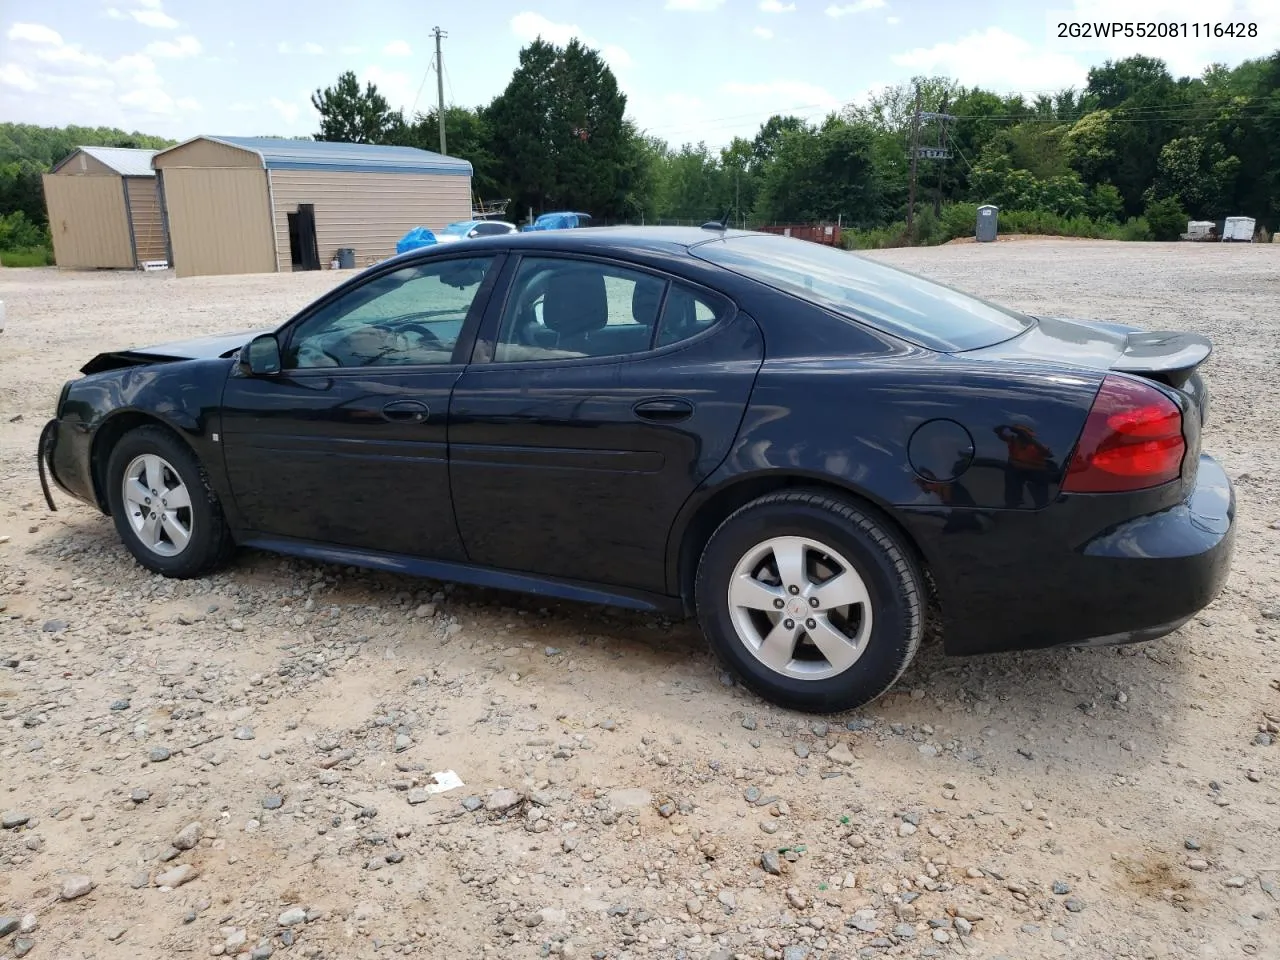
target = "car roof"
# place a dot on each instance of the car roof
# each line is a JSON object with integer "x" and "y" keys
{"x": 658, "y": 239}
{"x": 597, "y": 240}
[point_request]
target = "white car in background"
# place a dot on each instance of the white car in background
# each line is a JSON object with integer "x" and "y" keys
{"x": 466, "y": 229}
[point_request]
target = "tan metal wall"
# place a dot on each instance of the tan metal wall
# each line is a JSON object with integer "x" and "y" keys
{"x": 144, "y": 214}
{"x": 82, "y": 165}
{"x": 368, "y": 212}
{"x": 87, "y": 221}
{"x": 206, "y": 153}
{"x": 219, "y": 221}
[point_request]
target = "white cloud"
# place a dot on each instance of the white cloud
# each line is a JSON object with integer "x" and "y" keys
{"x": 312, "y": 48}
{"x": 154, "y": 17}
{"x": 764, "y": 33}
{"x": 151, "y": 100}
{"x": 779, "y": 96}
{"x": 153, "y": 4}
{"x": 35, "y": 33}
{"x": 529, "y": 26}
{"x": 189, "y": 104}
{"x": 848, "y": 9}
{"x": 996, "y": 59}
{"x": 893, "y": 21}
{"x": 184, "y": 46}
{"x": 12, "y": 75}
{"x": 777, "y": 6}
{"x": 397, "y": 86}
{"x": 288, "y": 111}
{"x": 696, "y": 6}
{"x": 242, "y": 107}
{"x": 397, "y": 48}
{"x": 615, "y": 56}
{"x": 115, "y": 14}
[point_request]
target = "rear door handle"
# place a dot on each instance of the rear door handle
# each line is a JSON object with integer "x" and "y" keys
{"x": 406, "y": 411}
{"x": 664, "y": 409}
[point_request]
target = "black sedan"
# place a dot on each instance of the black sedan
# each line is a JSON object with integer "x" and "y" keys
{"x": 811, "y": 452}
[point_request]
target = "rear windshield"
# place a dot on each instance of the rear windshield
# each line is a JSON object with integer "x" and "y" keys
{"x": 895, "y": 301}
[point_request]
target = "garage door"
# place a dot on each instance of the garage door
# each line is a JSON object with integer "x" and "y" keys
{"x": 219, "y": 220}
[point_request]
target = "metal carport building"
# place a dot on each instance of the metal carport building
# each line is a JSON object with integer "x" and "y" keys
{"x": 261, "y": 204}
{"x": 104, "y": 209}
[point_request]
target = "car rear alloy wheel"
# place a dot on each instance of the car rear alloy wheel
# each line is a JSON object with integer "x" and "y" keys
{"x": 800, "y": 608}
{"x": 157, "y": 504}
{"x": 163, "y": 505}
{"x": 812, "y": 598}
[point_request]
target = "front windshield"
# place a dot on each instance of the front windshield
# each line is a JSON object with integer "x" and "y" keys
{"x": 460, "y": 229}
{"x": 895, "y": 301}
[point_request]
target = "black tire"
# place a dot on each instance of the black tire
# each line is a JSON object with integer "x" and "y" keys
{"x": 210, "y": 544}
{"x": 888, "y": 570}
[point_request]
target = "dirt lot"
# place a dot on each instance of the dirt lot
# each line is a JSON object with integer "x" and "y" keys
{"x": 238, "y": 764}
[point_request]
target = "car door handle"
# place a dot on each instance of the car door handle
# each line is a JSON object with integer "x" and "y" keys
{"x": 664, "y": 409}
{"x": 406, "y": 411}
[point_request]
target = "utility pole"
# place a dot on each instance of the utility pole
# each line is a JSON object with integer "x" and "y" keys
{"x": 439, "y": 34}
{"x": 942, "y": 148}
{"x": 915, "y": 151}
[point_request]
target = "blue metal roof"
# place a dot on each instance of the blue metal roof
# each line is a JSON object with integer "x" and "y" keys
{"x": 280, "y": 154}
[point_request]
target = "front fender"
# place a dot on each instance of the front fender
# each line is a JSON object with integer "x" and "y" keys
{"x": 96, "y": 410}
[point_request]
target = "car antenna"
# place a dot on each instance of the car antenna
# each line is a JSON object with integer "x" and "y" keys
{"x": 722, "y": 224}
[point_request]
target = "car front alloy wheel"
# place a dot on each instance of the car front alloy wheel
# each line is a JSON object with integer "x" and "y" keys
{"x": 157, "y": 505}
{"x": 164, "y": 508}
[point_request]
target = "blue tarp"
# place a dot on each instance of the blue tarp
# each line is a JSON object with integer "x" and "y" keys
{"x": 562, "y": 220}
{"x": 415, "y": 238}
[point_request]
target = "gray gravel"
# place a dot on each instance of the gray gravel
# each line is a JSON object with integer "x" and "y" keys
{"x": 619, "y": 798}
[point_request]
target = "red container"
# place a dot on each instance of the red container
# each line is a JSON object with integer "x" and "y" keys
{"x": 824, "y": 233}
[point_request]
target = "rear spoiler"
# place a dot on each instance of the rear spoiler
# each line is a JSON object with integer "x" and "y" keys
{"x": 1169, "y": 357}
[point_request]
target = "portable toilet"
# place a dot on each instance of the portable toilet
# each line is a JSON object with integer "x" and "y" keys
{"x": 1238, "y": 229}
{"x": 986, "y": 229}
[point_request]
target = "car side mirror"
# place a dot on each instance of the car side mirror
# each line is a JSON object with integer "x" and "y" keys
{"x": 262, "y": 355}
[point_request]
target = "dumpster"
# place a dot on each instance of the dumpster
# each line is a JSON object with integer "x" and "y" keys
{"x": 986, "y": 227}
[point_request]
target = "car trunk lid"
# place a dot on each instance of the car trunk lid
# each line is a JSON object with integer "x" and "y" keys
{"x": 1167, "y": 357}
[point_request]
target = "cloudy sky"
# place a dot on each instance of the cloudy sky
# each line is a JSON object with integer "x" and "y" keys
{"x": 692, "y": 69}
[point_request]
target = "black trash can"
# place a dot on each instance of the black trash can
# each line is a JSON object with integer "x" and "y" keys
{"x": 346, "y": 258}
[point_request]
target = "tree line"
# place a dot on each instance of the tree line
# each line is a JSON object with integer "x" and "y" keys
{"x": 1132, "y": 155}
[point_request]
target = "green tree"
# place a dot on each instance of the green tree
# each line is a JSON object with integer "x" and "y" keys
{"x": 1197, "y": 174}
{"x": 1088, "y": 145}
{"x": 1166, "y": 219}
{"x": 563, "y": 136}
{"x": 349, "y": 115}
{"x": 765, "y": 145}
{"x": 467, "y": 137}
{"x": 826, "y": 174}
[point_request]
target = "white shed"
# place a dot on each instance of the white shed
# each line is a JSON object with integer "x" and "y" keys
{"x": 1239, "y": 229}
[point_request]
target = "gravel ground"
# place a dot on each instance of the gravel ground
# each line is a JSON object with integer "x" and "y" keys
{"x": 243, "y": 764}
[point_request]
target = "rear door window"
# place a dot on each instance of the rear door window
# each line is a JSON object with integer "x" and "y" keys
{"x": 897, "y": 302}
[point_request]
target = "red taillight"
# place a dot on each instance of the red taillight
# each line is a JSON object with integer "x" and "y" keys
{"x": 1132, "y": 439}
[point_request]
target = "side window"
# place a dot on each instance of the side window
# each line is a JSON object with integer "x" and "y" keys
{"x": 572, "y": 308}
{"x": 686, "y": 313}
{"x": 409, "y": 316}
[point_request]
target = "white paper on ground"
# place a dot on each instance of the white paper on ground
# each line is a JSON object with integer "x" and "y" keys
{"x": 444, "y": 780}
